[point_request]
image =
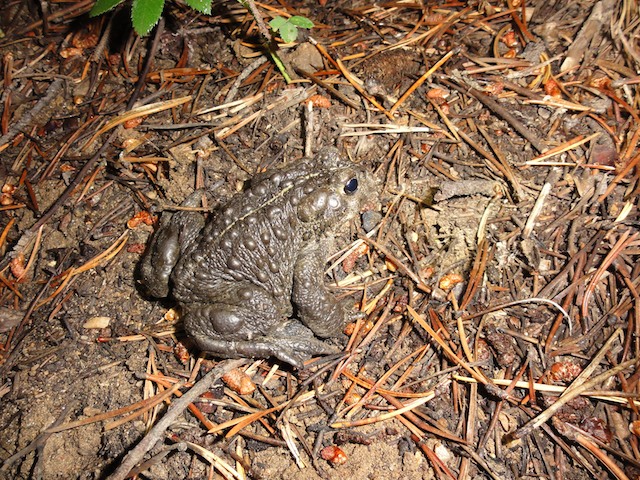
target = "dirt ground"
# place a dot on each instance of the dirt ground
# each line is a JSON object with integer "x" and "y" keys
{"x": 499, "y": 279}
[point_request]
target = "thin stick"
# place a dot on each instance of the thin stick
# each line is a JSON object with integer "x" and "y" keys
{"x": 176, "y": 409}
{"x": 536, "y": 422}
{"x": 422, "y": 79}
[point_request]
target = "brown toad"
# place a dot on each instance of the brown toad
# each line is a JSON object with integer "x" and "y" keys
{"x": 249, "y": 281}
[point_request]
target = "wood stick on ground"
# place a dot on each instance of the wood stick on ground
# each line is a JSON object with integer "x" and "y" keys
{"x": 33, "y": 115}
{"x": 499, "y": 110}
{"x": 179, "y": 406}
{"x": 536, "y": 422}
{"x": 589, "y": 32}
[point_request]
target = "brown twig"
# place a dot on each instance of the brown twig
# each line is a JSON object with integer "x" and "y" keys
{"x": 499, "y": 110}
{"x": 176, "y": 409}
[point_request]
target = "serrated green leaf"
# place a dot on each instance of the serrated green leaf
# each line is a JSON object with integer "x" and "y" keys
{"x": 302, "y": 22}
{"x": 203, "y": 6}
{"x": 288, "y": 32}
{"x": 102, "y": 6}
{"x": 276, "y": 23}
{"x": 145, "y": 14}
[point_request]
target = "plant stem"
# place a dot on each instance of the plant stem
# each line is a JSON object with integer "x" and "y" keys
{"x": 270, "y": 44}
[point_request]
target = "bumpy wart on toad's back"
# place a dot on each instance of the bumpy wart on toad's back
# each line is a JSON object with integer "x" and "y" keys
{"x": 240, "y": 278}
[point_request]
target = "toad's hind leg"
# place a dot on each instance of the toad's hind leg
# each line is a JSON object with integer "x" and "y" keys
{"x": 288, "y": 350}
{"x": 246, "y": 322}
{"x": 176, "y": 233}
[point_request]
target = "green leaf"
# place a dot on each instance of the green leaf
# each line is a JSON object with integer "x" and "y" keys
{"x": 277, "y": 23}
{"x": 302, "y": 22}
{"x": 102, "y": 6}
{"x": 288, "y": 32}
{"x": 203, "y": 6}
{"x": 145, "y": 14}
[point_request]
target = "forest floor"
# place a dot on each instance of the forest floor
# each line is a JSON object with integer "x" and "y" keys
{"x": 500, "y": 283}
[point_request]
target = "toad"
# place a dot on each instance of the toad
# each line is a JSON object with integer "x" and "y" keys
{"x": 249, "y": 281}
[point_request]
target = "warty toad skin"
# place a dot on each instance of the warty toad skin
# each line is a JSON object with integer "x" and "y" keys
{"x": 249, "y": 282}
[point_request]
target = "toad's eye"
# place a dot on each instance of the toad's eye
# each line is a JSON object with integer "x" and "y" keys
{"x": 351, "y": 186}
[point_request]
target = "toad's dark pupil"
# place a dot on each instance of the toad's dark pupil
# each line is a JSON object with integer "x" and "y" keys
{"x": 351, "y": 186}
